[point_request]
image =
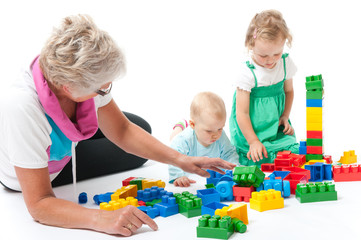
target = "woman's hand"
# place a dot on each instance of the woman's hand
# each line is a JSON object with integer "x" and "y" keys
{"x": 125, "y": 221}
{"x": 256, "y": 151}
{"x": 288, "y": 128}
{"x": 183, "y": 182}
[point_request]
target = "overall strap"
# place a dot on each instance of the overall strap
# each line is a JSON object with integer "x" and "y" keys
{"x": 284, "y": 64}
{"x": 251, "y": 67}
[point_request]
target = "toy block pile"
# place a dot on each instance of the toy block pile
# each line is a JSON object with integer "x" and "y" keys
{"x": 314, "y": 104}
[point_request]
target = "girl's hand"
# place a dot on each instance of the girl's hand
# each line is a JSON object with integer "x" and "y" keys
{"x": 256, "y": 151}
{"x": 125, "y": 221}
{"x": 183, "y": 182}
{"x": 288, "y": 128}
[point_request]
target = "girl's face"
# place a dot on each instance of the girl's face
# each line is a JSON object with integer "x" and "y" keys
{"x": 266, "y": 53}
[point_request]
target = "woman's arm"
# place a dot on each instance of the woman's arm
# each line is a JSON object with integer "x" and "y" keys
{"x": 45, "y": 208}
{"x": 256, "y": 148}
{"x": 288, "y": 87}
{"x": 133, "y": 139}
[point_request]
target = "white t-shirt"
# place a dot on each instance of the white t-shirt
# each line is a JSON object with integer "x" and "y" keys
{"x": 25, "y": 130}
{"x": 265, "y": 76}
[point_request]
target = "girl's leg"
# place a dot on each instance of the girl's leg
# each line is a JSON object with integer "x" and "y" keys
{"x": 98, "y": 156}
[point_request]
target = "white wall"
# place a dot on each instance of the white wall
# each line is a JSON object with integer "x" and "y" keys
{"x": 175, "y": 49}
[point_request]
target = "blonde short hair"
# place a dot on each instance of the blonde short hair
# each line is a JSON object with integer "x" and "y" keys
{"x": 80, "y": 55}
{"x": 207, "y": 102}
{"x": 268, "y": 25}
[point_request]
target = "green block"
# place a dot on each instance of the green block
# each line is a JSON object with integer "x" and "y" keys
{"x": 314, "y": 94}
{"x": 314, "y": 157}
{"x": 189, "y": 205}
{"x": 314, "y": 82}
{"x": 211, "y": 185}
{"x": 316, "y": 192}
{"x": 215, "y": 227}
{"x": 248, "y": 176}
{"x": 137, "y": 181}
{"x": 152, "y": 203}
{"x": 314, "y": 142}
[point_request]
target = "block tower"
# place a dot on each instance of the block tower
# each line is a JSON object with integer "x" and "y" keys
{"x": 314, "y": 104}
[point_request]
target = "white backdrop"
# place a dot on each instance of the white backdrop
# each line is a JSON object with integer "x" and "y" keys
{"x": 176, "y": 49}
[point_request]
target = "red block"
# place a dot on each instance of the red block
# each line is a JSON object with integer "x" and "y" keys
{"x": 295, "y": 179}
{"x": 314, "y": 150}
{"x": 298, "y": 160}
{"x": 242, "y": 194}
{"x": 267, "y": 167}
{"x": 298, "y": 170}
{"x": 127, "y": 181}
{"x": 328, "y": 159}
{"x": 346, "y": 173}
{"x": 314, "y": 134}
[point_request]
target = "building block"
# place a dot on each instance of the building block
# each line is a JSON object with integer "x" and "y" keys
{"x": 276, "y": 183}
{"x": 210, "y": 208}
{"x": 295, "y": 179}
{"x": 155, "y": 201}
{"x": 238, "y": 210}
{"x": 211, "y": 185}
{"x": 282, "y": 160}
{"x": 137, "y": 181}
{"x": 298, "y": 170}
{"x": 314, "y": 142}
{"x": 314, "y": 83}
{"x": 320, "y": 172}
{"x": 105, "y": 197}
{"x": 224, "y": 188}
{"x": 215, "y": 227}
{"x": 126, "y": 182}
{"x": 328, "y": 159}
{"x": 248, "y": 176}
{"x": 189, "y": 205}
{"x": 152, "y": 212}
{"x": 267, "y": 167}
{"x": 215, "y": 176}
{"x": 314, "y": 157}
{"x": 242, "y": 194}
{"x": 314, "y": 103}
{"x": 314, "y": 94}
{"x": 120, "y": 203}
{"x": 314, "y": 149}
{"x": 303, "y": 147}
{"x": 209, "y": 195}
{"x": 266, "y": 200}
{"x": 317, "y": 192}
{"x": 168, "y": 206}
{"x": 83, "y": 198}
{"x": 149, "y": 194}
{"x": 348, "y": 157}
{"x": 148, "y": 183}
{"x": 313, "y": 126}
{"x": 125, "y": 191}
{"x": 347, "y": 173}
{"x": 141, "y": 203}
{"x": 282, "y": 174}
{"x": 314, "y": 111}
{"x": 315, "y": 134}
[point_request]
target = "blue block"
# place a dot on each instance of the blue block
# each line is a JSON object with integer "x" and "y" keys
{"x": 225, "y": 188}
{"x": 168, "y": 206}
{"x": 303, "y": 148}
{"x": 209, "y": 195}
{"x": 83, "y": 198}
{"x": 152, "y": 212}
{"x": 327, "y": 172}
{"x": 281, "y": 174}
{"x": 313, "y": 102}
{"x": 316, "y": 171}
{"x": 278, "y": 184}
{"x": 105, "y": 197}
{"x": 210, "y": 208}
{"x": 149, "y": 194}
{"x": 215, "y": 176}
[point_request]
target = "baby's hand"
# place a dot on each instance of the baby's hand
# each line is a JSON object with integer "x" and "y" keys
{"x": 256, "y": 151}
{"x": 183, "y": 182}
{"x": 288, "y": 128}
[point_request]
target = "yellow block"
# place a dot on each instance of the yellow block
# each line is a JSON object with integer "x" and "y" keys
{"x": 312, "y": 118}
{"x": 313, "y": 126}
{"x": 148, "y": 183}
{"x": 266, "y": 200}
{"x": 126, "y": 191}
{"x": 120, "y": 203}
{"x": 313, "y": 110}
{"x": 238, "y": 210}
{"x": 348, "y": 157}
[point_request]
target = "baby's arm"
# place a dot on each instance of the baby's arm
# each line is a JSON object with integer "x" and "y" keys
{"x": 288, "y": 87}
{"x": 256, "y": 148}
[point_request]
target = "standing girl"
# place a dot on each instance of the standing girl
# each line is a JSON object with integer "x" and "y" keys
{"x": 262, "y": 102}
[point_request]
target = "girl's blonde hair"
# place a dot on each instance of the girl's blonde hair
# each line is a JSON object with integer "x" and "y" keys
{"x": 80, "y": 55}
{"x": 207, "y": 102}
{"x": 268, "y": 25}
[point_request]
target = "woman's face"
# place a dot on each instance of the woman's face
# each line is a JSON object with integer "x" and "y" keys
{"x": 104, "y": 88}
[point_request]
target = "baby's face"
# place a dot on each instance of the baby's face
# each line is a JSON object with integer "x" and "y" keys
{"x": 208, "y": 129}
{"x": 266, "y": 53}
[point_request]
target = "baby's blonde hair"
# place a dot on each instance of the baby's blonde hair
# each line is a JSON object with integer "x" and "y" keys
{"x": 207, "y": 102}
{"x": 80, "y": 55}
{"x": 268, "y": 24}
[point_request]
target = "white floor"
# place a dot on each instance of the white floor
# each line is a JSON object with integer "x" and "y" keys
{"x": 324, "y": 220}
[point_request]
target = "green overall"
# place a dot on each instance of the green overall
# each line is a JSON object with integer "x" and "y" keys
{"x": 266, "y": 106}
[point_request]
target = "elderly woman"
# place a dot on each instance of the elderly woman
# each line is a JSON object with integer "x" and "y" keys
{"x": 61, "y": 99}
